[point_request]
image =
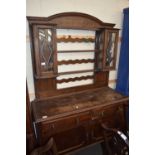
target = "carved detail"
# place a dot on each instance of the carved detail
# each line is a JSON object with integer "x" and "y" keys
{"x": 66, "y": 62}
{"x": 72, "y": 20}
{"x": 70, "y": 38}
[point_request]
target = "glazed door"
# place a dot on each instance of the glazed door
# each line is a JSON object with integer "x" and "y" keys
{"x": 45, "y": 51}
{"x": 110, "y": 49}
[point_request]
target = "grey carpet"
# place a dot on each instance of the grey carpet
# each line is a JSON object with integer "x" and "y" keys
{"x": 92, "y": 150}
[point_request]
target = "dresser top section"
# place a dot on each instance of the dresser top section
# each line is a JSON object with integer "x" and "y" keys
{"x": 72, "y": 20}
{"x": 58, "y": 107}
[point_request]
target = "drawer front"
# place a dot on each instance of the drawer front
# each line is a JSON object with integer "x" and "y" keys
{"x": 113, "y": 117}
{"x": 104, "y": 112}
{"x": 59, "y": 125}
{"x": 83, "y": 118}
{"x": 90, "y": 122}
{"x": 66, "y": 123}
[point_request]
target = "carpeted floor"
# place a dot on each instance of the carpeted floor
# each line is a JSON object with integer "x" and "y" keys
{"x": 92, "y": 150}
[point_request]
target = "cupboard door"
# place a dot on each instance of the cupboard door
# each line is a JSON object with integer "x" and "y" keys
{"x": 70, "y": 139}
{"x": 99, "y": 40}
{"x": 110, "y": 50}
{"x": 45, "y": 51}
{"x": 66, "y": 140}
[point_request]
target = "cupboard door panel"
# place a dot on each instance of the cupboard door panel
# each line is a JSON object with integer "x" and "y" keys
{"x": 110, "y": 50}
{"x": 70, "y": 139}
{"x": 99, "y": 40}
{"x": 66, "y": 140}
{"x": 45, "y": 50}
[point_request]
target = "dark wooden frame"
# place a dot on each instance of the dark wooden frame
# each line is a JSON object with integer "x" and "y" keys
{"x": 116, "y": 31}
{"x": 45, "y": 84}
{"x": 39, "y": 73}
{"x": 82, "y": 124}
{"x": 30, "y": 136}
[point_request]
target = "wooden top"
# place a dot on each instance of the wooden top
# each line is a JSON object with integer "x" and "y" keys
{"x": 66, "y": 105}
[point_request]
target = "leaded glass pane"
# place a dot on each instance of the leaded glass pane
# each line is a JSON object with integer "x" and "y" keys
{"x": 46, "y": 49}
{"x": 110, "y": 49}
{"x": 99, "y": 52}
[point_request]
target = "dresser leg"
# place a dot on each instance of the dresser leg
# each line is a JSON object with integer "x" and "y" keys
{"x": 107, "y": 144}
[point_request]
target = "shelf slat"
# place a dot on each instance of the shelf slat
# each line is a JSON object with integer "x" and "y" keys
{"x": 75, "y": 79}
{"x": 45, "y": 76}
{"x": 75, "y": 72}
{"x": 74, "y": 51}
{"x": 80, "y": 39}
{"x": 77, "y": 61}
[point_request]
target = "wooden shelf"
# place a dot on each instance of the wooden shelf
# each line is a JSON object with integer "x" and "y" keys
{"x": 45, "y": 76}
{"x": 66, "y": 73}
{"x": 77, "y": 61}
{"x": 70, "y": 38}
{"x": 74, "y": 51}
{"x": 75, "y": 72}
{"x": 75, "y": 79}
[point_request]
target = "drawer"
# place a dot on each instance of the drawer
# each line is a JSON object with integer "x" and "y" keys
{"x": 83, "y": 118}
{"x": 65, "y": 124}
{"x": 59, "y": 125}
{"x": 104, "y": 112}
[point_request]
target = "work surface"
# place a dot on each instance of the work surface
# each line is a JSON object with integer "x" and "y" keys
{"x": 75, "y": 102}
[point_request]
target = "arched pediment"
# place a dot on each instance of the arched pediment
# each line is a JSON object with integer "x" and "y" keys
{"x": 72, "y": 20}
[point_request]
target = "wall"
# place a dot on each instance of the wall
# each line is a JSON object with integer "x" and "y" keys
{"x": 106, "y": 10}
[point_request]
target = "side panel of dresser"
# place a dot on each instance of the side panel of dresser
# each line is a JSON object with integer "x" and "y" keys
{"x": 30, "y": 137}
{"x": 81, "y": 129}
